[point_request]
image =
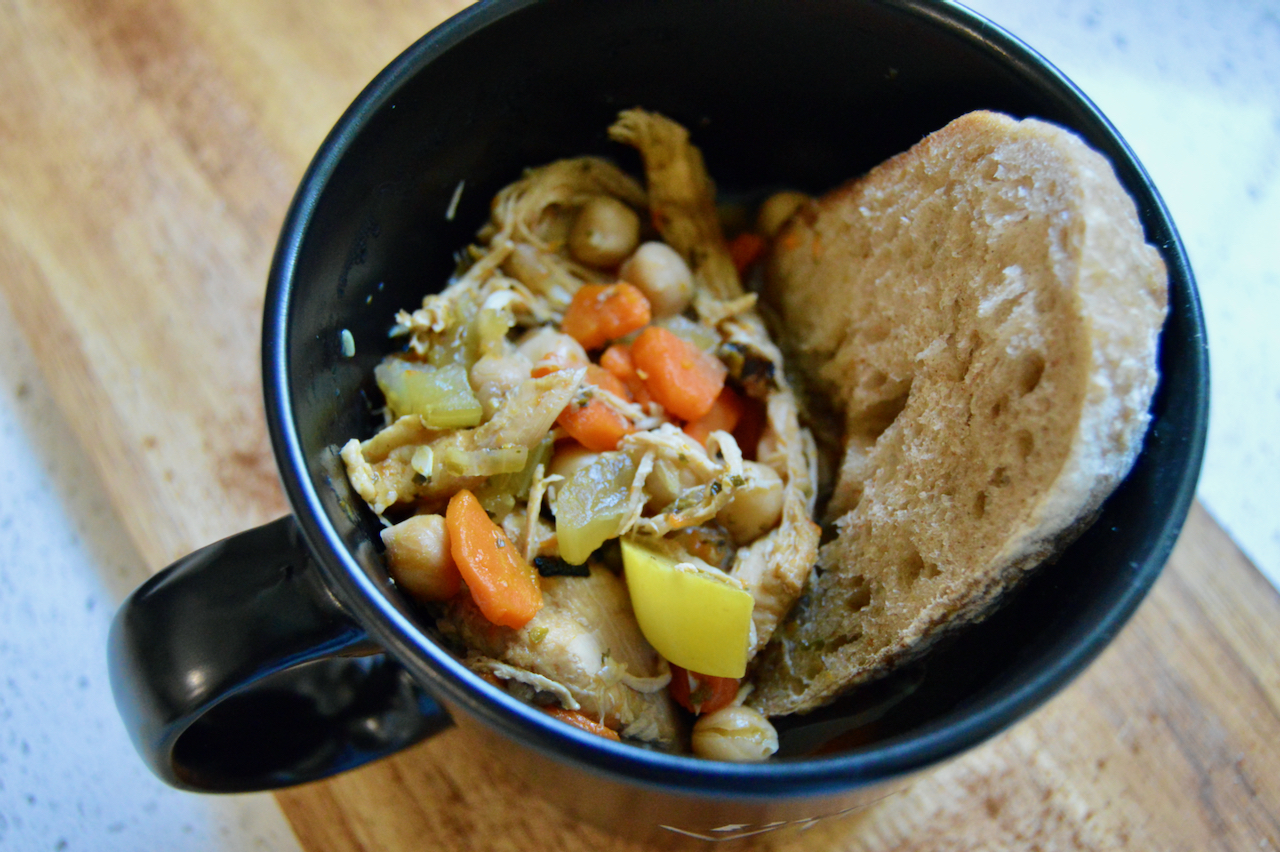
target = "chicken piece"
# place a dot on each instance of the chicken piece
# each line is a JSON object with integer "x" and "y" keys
{"x": 405, "y": 431}
{"x": 682, "y": 198}
{"x": 754, "y": 360}
{"x": 525, "y": 210}
{"x": 550, "y": 275}
{"x": 538, "y": 536}
{"x": 410, "y": 472}
{"x": 584, "y": 647}
{"x": 708, "y": 542}
{"x": 713, "y": 311}
{"x": 715, "y": 478}
{"x": 788, "y": 448}
{"x": 436, "y": 330}
{"x": 531, "y": 221}
{"x": 775, "y": 567}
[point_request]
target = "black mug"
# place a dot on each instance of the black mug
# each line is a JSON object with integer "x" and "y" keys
{"x": 285, "y": 654}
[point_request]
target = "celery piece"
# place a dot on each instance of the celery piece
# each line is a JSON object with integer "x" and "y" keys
{"x": 485, "y": 461}
{"x": 440, "y": 395}
{"x": 702, "y": 336}
{"x": 590, "y": 506}
{"x": 518, "y": 483}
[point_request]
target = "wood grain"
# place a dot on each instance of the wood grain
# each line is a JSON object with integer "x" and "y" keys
{"x": 148, "y": 151}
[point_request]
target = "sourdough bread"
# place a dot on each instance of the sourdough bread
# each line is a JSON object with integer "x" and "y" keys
{"x": 983, "y": 312}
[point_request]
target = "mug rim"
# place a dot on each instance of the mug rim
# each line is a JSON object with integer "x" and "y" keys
{"x": 446, "y": 677}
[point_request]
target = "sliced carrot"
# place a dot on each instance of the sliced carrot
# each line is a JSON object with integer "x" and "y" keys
{"x": 617, "y": 360}
{"x": 581, "y": 721}
{"x": 699, "y": 693}
{"x": 681, "y": 377}
{"x": 724, "y": 415}
{"x": 600, "y": 313}
{"x": 502, "y": 583}
{"x": 745, "y": 249}
{"x": 605, "y": 380}
{"x": 597, "y": 425}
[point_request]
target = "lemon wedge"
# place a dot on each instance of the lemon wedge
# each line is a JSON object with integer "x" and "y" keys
{"x": 698, "y": 619}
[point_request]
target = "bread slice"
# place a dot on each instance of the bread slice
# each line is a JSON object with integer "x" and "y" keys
{"x": 983, "y": 312}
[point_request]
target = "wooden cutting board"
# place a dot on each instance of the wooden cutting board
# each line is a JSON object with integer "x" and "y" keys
{"x": 148, "y": 151}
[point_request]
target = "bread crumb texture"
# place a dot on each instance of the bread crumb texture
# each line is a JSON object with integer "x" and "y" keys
{"x": 983, "y": 312}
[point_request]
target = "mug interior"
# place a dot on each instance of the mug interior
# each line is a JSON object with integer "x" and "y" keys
{"x": 789, "y": 93}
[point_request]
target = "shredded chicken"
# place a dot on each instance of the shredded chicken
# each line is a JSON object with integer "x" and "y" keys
{"x": 584, "y": 639}
{"x": 531, "y": 219}
{"x": 389, "y": 477}
{"x": 716, "y": 479}
{"x": 537, "y": 531}
{"x": 682, "y": 198}
{"x": 481, "y": 664}
{"x": 715, "y": 311}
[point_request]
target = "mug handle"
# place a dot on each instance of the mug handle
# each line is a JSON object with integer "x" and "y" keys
{"x": 235, "y": 669}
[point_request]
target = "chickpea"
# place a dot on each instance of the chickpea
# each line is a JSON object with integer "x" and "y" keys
{"x": 547, "y": 344}
{"x": 776, "y": 210}
{"x": 419, "y": 558}
{"x": 659, "y": 272}
{"x": 756, "y": 506}
{"x": 570, "y": 458}
{"x": 605, "y": 232}
{"x": 734, "y": 733}
{"x": 494, "y": 376}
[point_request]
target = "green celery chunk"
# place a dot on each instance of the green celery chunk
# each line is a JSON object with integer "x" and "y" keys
{"x": 590, "y": 506}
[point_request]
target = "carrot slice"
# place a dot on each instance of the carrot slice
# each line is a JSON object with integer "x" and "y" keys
{"x": 605, "y": 380}
{"x": 603, "y": 312}
{"x": 681, "y": 377}
{"x": 699, "y": 693}
{"x": 582, "y": 722}
{"x": 724, "y": 415}
{"x": 596, "y": 425}
{"x": 617, "y": 360}
{"x": 502, "y": 583}
{"x": 745, "y": 249}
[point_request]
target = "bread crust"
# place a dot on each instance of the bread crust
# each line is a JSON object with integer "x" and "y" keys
{"x": 983, "y": 312}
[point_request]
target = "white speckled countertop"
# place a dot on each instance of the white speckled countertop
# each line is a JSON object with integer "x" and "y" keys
{"x": 1195, "y": 88}
{"x": 69, "y": 777}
